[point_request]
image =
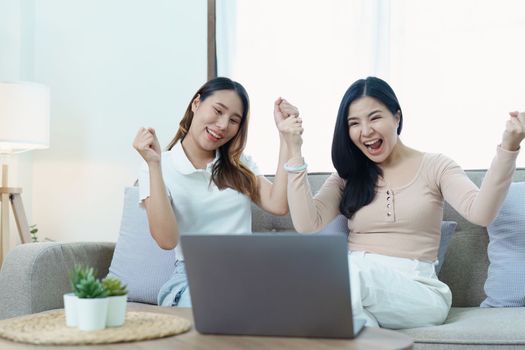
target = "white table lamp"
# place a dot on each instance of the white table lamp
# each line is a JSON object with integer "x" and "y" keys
{"x": 24, "y": 126}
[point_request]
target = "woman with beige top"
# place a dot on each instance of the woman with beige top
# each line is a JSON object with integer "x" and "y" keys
{"x": 393, "y": 198}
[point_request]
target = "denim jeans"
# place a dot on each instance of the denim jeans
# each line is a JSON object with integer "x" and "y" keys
{"x": 175, "y": 292}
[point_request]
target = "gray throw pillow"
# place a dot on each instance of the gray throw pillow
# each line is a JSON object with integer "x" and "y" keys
{"x": 138, "y": 261}
{"x": 505, "y": 284}
{"x": 447, "y": 230}
{"x": 339, "y": 225}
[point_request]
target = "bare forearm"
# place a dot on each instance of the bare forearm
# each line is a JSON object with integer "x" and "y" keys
{"x": 278, "y": 193}
{"x": 290, "y": 128}
{"x": 161, "y": 218}
{"x": 294, "y": 151}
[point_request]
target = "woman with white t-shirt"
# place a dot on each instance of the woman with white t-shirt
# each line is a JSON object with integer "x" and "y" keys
{"x": 204, "y": 183}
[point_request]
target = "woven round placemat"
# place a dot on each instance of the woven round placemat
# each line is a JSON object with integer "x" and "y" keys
{"x": 50, "y": 328}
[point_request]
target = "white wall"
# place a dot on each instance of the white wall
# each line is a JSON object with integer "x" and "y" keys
{"x": 12, "y": 51}
{"x": 10, "y": 39}
{"x": 112, "y": 67}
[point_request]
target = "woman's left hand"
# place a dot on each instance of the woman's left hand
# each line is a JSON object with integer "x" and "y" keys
{"x": 282, "y": 110}
{"x": 514, "y": 131}
{"x": 288, "y": 123}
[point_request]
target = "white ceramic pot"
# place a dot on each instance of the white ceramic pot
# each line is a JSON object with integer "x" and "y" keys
{"x": 116, "y": 310}
{"x": 92, "y": 313}
{"x": 70, "y": 309}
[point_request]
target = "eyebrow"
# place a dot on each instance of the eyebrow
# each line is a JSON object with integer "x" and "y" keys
{"x": 226, "y": 108}
{"x": 369, "y": 114}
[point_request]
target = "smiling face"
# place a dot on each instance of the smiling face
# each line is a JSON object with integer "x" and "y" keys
{"x": 216, "y": 120}
{"x": 373, "y": 128}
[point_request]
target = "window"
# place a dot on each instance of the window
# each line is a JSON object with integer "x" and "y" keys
{"x": 457, "y": 68}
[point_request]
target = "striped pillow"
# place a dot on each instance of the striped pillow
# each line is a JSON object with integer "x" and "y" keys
{"x": 138, "y": 261}
{"x": 505, "y": 284}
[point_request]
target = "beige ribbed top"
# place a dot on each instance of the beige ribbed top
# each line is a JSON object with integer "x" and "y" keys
{"x": 405, "y": 221}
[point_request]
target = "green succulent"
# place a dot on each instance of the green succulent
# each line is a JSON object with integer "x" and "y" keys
{"x": 114, "y": 286}
{"x": 84, "y": 283}
{"x": 79, "y": 273}
{"x": 90, "y": 288}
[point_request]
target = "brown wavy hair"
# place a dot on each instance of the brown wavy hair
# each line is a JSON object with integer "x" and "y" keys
{"x": 228, "y": 171}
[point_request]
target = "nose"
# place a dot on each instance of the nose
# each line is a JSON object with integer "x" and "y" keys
{"x": 222, "y": 122}
{"x": 366, "y": 129}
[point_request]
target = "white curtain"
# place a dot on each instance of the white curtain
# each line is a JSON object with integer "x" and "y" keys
{"x": 458, "y": 69}
{"x": 456, "y": 66}
{"x": 226, "y": 16}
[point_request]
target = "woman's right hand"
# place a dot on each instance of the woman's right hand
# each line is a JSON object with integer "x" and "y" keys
{"x": 514, "y": 131}
{"x": 288, "y": 123}
{"x": 147, "y": 144}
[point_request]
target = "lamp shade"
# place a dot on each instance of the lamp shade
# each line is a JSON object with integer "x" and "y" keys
{"x": 24, "y": 116}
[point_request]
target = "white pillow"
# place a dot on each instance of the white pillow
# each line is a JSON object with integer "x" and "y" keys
{"x": 505, "y": 284}
{"x": 138, "y": 261}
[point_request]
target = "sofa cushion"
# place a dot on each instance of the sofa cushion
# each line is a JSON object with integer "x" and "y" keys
{"x": 337, "y": 225}
{"x": 471, "y": 327}
{"x": 447, "y": 230}
{"x": 505, "y": 284}
{"x": 138, "y": 261}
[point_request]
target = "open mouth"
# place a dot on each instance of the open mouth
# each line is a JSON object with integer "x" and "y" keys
{"x": 374, "y": 146}
{"x": 213, "y": 135}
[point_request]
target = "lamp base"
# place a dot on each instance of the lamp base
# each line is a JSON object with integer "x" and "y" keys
{"x": 11, "y": 195}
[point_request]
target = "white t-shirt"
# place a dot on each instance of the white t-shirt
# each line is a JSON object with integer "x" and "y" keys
{"x": 200, "y": 207}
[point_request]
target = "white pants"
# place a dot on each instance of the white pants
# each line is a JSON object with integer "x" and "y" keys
{"x": 396, "y": 293}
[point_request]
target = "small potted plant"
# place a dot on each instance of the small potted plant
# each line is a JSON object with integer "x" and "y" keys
{"x": 33, "y": 231}
{"x": 70, "y": 299}
{"x": 117, "y": 301}
{"x": 92, "y": 302}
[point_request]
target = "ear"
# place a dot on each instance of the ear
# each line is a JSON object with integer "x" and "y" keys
{"x": 195, "y": 103}
{"x": 398, "y": 116}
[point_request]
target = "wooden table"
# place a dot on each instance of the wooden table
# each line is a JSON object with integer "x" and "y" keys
{"x": 370, "y": 338}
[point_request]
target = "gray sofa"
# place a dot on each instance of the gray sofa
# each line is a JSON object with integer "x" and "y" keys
{"x": 34, "y": 277}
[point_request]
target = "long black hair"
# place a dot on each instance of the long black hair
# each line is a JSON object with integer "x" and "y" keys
{"x": 361, "y": 173}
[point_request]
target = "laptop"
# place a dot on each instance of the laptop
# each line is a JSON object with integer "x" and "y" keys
{"x": 284, "y": 284}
